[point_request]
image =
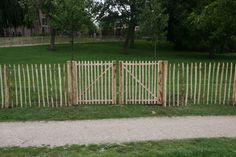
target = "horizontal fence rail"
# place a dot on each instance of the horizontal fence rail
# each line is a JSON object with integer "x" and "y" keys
{"x": 106, "y": 82}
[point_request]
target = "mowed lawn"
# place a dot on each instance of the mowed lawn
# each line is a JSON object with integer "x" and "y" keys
{"x": 104, "y": 51}
{"x": 221, "y": 147}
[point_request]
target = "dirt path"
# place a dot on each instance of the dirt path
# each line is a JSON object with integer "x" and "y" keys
{"x": 114, "y": 130}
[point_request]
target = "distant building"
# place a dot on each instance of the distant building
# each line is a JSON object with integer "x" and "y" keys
{"x": 40, "y": 28}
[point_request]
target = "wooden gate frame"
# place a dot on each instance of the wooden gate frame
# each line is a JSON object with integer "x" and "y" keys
{"x": 73, "y": 91}
{"x": 162, "y": 82}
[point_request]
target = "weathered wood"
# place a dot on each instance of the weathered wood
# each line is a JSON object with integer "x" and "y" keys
{"x": 69, "y": 75}
{"x": 225, "y": 83}
{"x": 55, "y": 84}
{"x": 160, "y": 82}
{"x": 46, "y": 83}
{"x": 178, "y": 84}
{"x": 88, "y": 82}
{"x": 114, "y": 82}
{"x": 200, "y": 83}
{"x": 191, "y": 81}
{"x": 182, "y": 89}
{"x": 10, "y": 86}
{"x": 221, "y": 83}
{"x": 195, "y": 85}
{"x": 1, "y": 85}
{"x": 230, "y": 83}
{"x": 51, "y": 84}
{"x": 121, "y": 83}
{"x": 19, "y": 77}
{"x": 149, "y": 83}
{"x": 29, "y": 88}
{"x": 213, "y": 83}
{"x": 165, "y": 70}
{"x": 135, "y": 82}
{"x": 187, "y": 86}
{"x": 234, "y": 93}
{"x": 217, "y": 75}
{"x": 204, "y": 83}
{"x": 42, "y": 84}
{"x": 6, "y": 87}
{"x": 33, "y": 84}
{"x": 16, "y": 85}
{"x": 96, "y": 82}
{"x": 24, "y": 85}
{"x": 60, "y": 84}
{"x": 37, "y": 84}
{"x": 65, "y": 84}
{"x": 169, "y": 82}
{"x": 173, "y": 80}
{"x": 209, "y": 83}
{"x": 92, "y": 80}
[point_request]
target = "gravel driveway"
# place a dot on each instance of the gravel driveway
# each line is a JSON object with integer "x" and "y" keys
{"x": 55, "y": 133}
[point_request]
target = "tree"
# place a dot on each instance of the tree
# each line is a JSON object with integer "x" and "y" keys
{"x": 216, "y": 23}
{"x": 11, "y": 14}
{"x": 70, "y": 16}
{"x": 127, "y": 10}
{"x": 31, "y": 12}
{"x": 154, "y": 21}
{"x": 49, "y": 8}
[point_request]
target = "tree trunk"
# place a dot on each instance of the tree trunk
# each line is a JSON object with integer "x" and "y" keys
{"x": 52, "y": 39}
{"x": 129, "y": 41}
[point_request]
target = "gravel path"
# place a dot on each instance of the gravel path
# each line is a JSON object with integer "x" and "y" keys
{"x": 54, "y": 133}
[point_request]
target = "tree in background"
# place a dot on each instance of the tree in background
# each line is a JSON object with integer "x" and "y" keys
{"x": 216, "y": 23}
{"x": 11, "y": 15}
{"x": 70, "y": 16}
{"x": 31, "y": 12}
{"x": 49, "y": 9}
{"x": 126, "y": 11}
{"x": 154, "y": 21}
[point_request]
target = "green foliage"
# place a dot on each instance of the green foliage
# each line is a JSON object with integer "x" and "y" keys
{"x": 31, "y": 11}
{"x": 216, "y": 22}
{"x": 70, "y": 15}
{"x": 11, "y": 14}
{"x": 154, "y": 19}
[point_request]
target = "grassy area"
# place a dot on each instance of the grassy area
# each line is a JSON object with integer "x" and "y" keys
{"x": 110, "y": 111}
{"x": 103, "y": 51}
{"x": 218, "y": 147}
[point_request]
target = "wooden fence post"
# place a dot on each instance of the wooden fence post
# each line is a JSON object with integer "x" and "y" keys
{"x": 72, "y": 83}
{"x": 162, "y": 81}
{"x": 6, "y": 88}
{"x": 121, "y": 98}
{"x": 114, "y": 82}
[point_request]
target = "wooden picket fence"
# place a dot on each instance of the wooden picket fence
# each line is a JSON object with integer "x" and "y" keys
{"x": 99, "y": 82}
{"x": 201, "y": 83}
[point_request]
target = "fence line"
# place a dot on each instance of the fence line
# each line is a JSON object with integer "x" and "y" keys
{"x": 94, "y": 82}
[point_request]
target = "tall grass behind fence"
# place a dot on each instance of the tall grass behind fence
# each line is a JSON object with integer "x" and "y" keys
{"x": 201, "y": 83}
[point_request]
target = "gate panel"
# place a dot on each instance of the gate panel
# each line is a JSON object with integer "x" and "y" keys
{"x": 96, "y": 82}
{"x": 138, "y": 82}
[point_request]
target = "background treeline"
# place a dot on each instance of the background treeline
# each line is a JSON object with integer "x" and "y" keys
{"x": 205, "y": 25}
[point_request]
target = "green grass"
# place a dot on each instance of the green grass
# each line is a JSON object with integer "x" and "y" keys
{"x": 218, "y": 147}
{"x": 110, "y": 111}
{"x": 103, "y": 51}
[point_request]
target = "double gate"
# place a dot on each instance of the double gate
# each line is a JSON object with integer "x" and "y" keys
{"x": 140, "y": 82}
